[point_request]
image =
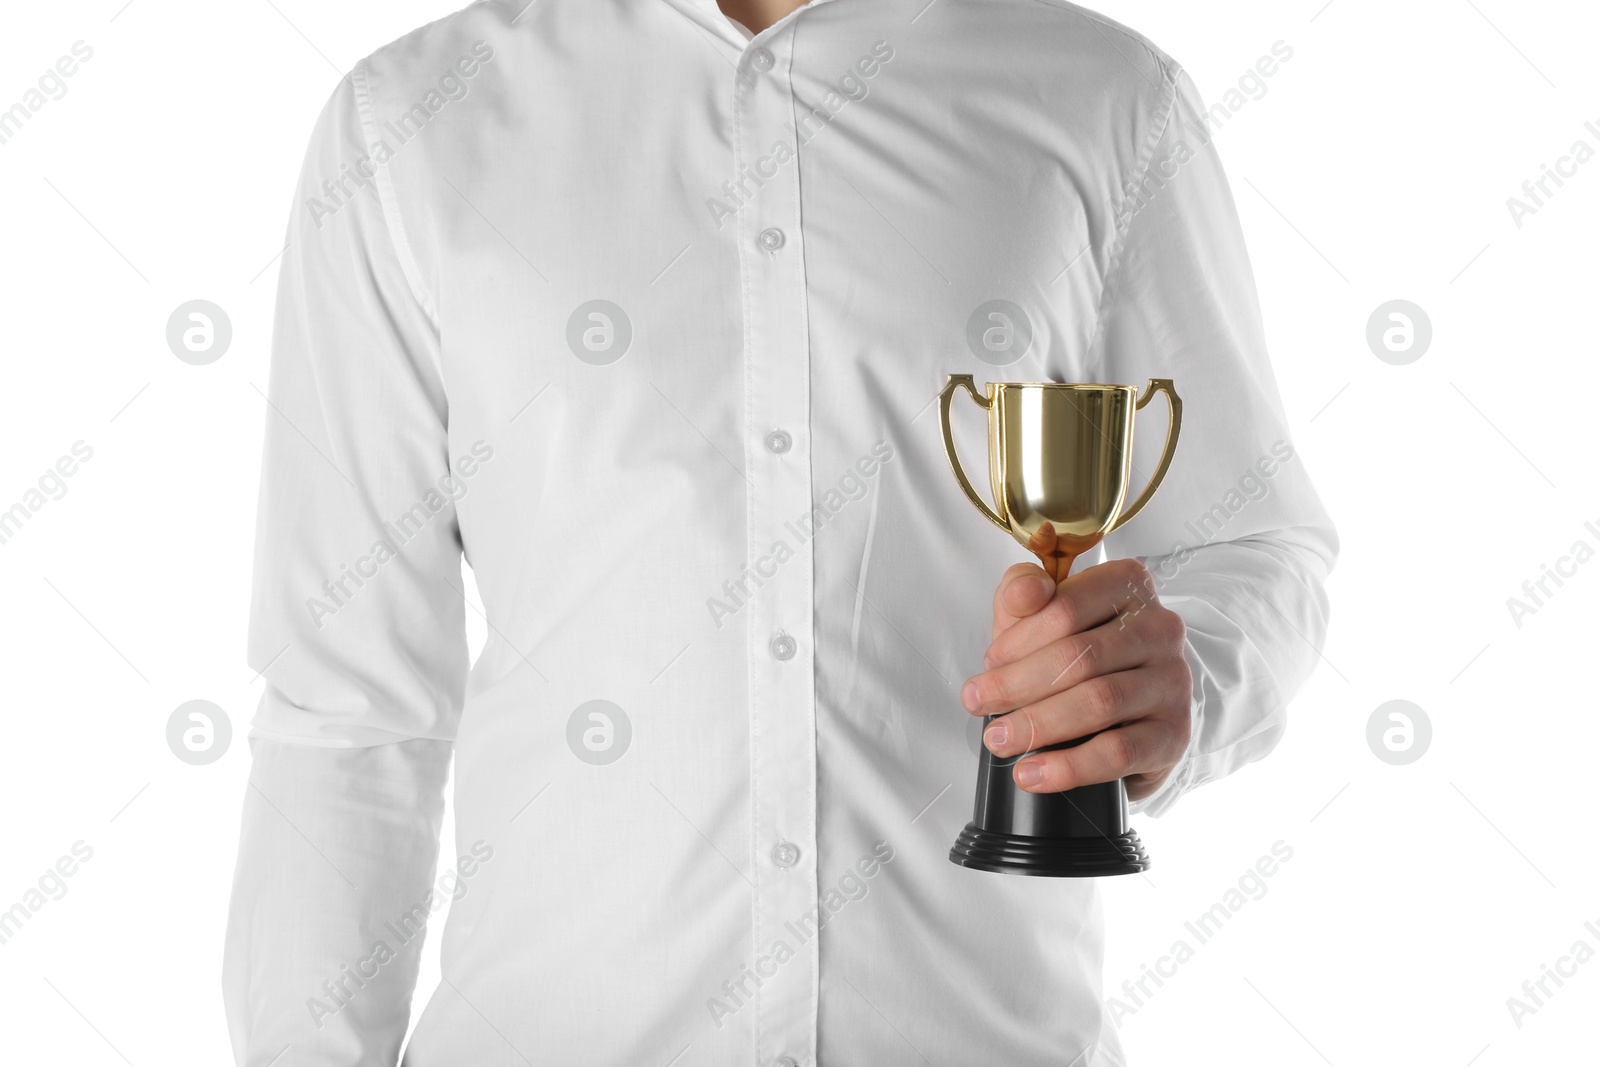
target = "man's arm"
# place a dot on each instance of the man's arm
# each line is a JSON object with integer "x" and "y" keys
{"x": 357, "y": 627}
{"x": 1193, "y": 648}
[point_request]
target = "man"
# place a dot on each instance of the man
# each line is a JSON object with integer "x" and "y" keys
{"x": 642, "y": 308}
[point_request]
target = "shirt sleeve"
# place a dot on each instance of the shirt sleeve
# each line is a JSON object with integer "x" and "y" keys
{"x": 357, "y": 626}
{"x": 1236, "y": 536}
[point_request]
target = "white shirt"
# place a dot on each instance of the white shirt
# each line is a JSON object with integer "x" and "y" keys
{"x": 717, "y": 502}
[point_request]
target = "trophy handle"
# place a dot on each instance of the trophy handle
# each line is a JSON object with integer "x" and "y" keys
{"x": 945, "y": 396}
{"x": 1157, "y": 385}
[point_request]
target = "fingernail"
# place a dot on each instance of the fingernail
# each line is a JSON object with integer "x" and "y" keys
{"x": 988, "y": 662}
{"x": 1029, "y": 774}
{"x": 995, "y": 735}
{"x": 969, "y": 696}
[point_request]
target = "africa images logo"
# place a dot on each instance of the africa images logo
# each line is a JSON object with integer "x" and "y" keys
{"x": 452, "y": 86}
{"x": 849, "y": 87}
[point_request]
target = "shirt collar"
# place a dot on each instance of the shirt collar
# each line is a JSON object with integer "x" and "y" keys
{"x": 734, "y": 33}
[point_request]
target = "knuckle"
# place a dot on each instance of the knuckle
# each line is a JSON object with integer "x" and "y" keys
{"x": 1075, "y": 654}
{"x": 1169, "y": 625}
{"x": 1026, "y": 738}
{"x": 1182, "y": 680}
{"x": 1004, "y": 648}
{"x": 1121, "y": 748}
{"x": 995, "y": 689}
{"x": 1104, "y": 697}
{"x": 1182, "y": 730}
{"x": 1135, "y": 572}
{"x": 1061, "y": 615}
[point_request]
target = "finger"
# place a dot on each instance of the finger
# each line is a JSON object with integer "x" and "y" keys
{"x": 1155, "y": 635}
{"x": 1143, "y": 747}
{"x": 1082, "y": 601}
{"x": 1058, "y": 666}
{"x": 1142, "y": 785}
{"x": 1098, "y": 704}
{"x": 1023, "y": 590}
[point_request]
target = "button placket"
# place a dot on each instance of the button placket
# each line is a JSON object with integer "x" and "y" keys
{"x": 782, "y": 715}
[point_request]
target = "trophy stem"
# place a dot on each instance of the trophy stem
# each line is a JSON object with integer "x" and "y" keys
{"x": 1058, "y": 567}
{"x": 1053, "y": 554}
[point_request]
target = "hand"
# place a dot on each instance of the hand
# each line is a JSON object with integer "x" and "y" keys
{"x": 1096, "y": 654}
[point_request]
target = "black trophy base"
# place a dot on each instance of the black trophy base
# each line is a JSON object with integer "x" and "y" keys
{"x": 1081, "y": 833}
{"x": 1049, "y": 857}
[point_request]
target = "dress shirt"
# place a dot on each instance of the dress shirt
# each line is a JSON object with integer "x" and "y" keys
{"x": 643, "y": 316}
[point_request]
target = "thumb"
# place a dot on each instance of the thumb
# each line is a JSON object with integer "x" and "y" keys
{"x": 1024, "y": 590}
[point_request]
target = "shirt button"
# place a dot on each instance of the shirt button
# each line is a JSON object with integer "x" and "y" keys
{"x": 785, "y": 854}
{"x": 783, "y": 647}
{"x": 778, "y": 442}
{"x": 771, "y": 239}
{"x": 761, "y": 59}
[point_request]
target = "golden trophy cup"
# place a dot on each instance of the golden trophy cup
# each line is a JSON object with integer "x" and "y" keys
{"x": 1060, "y": 458}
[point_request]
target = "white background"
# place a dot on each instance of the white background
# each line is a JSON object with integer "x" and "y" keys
{"x": 1376, "y": 167}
